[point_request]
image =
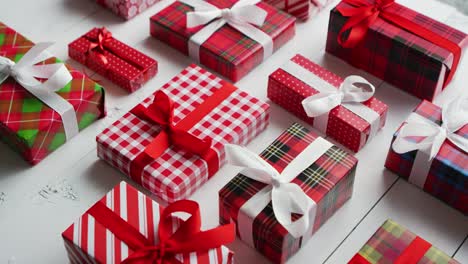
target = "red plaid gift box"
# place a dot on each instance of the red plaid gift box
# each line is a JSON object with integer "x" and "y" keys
{"x": 301, "y": 9}
{"x": 122, "y": 64}
{"x": 28, "y": 124}
{"x": 300, "y": 78}
{"x": 446, "y": 175}
{"x": 236, "y": 118}
{"x": 127, "y": 8}
{"x": 393, "y": 243}
{"x": 125, "y": 222}
{"x": 325, "y": 184}
{"x": 405, "y": 48}
{"x": 227, "y": 51}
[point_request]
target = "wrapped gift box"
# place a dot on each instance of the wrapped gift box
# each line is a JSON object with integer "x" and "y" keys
{"x": 301, "y": 9}
{"x": 120, "y": 63}
{"x": 93, "y": 237}
{"x": 393, "y": 243}
{"x": 30, "y": 126}
{"x": 127, "y": 8}
{"x": 395, "y": 54}
{"x": 328, "y": 182}
{"x": 228, "y": 51}
{"x": 176, "y": 174}
{"x": 447, "y": 177}
{"x": 287, "y": 90}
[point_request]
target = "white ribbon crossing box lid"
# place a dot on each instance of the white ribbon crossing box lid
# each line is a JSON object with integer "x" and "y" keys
{"x": 454, "y": 117}
{"x": 26, "y": 72}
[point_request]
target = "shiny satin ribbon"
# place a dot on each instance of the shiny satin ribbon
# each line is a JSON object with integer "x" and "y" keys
{"x": 96, "y": 46}
{"x": 244, "y": 16}
{"x": 57, "y": 76}
{"x": 363, "y": 14}
{"x": 186, "y": 239}
{"x": 287, "y": 198}
{"x": 347, "y": 95}
{"x": 454, "y": 117}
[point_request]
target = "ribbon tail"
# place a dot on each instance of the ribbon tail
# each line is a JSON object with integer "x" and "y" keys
{"x": 459, "y": 141}
{"x": 36, "y": 54}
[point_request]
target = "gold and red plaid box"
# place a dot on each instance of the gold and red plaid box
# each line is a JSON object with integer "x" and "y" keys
{"x": 401, "y": 46}
{"x": 127, "y": 8}
{"x": 126, "y": 226}
{"x": 301, "y": 9}
{"x": 286, "y": 193}
{"x": 120, "y": 63}
{"x": 43, "y": 102}
{"x": 173, "y": 142}
{"x": 338, "y": 108}
{"x": 430, "y": 150}
{"x": 230, "y": 37}
{"x": 393, "y": 243}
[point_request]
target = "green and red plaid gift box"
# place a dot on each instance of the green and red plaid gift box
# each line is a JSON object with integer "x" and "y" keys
{"x": 28, "y": 125}
{"x": 393, "y": 243}
{"x": 328, "y": 182}
{"x": 228, "y": 51}
{"x": 395, "y": 54}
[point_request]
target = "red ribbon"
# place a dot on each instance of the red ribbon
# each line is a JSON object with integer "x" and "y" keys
{"x": 187, "y": 238}
{"x": 363, "y": 14}
{"x": 96, "y": 46}
{"x": 161, "y": 112}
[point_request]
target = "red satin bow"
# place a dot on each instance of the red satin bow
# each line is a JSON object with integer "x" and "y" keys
{"x": 187, "y": 238}
{"x": 96, "y": 46}
{"x": 363, "y": 14}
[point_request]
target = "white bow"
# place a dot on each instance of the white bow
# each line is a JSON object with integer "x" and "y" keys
{"x": 454, "y": 117}
{"x": 324, "y": 102}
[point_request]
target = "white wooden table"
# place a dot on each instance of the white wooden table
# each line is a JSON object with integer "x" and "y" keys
{"x": 32, "y": 218}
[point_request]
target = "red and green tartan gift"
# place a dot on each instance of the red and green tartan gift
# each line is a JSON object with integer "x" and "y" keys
{"x": 120, "y": 63}
{"x": 27, "y": 124}
{"x": 395, "y": 244}
{"x": 227, "y": 51}
{"x": 401, "y": 46}
{"x": 310, "y": 175}
{"x": 433, "y": 161}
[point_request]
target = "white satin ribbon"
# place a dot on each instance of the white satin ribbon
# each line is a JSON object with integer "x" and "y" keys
{"x": 347, "y": 95}
{"x": 454, "y": 117}
{"x": 287, "y": 198}
{"x": 25, "y": 73}
{"x": 243, "y": 16}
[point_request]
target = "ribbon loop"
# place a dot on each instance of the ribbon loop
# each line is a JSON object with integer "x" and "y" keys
{"x": 96, "y": 46}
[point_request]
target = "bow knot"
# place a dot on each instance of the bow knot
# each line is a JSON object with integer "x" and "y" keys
{"x": 96, "y": 46}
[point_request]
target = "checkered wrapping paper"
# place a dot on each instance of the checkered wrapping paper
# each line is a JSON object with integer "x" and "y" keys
{"x": 329, "y": 182}
{"x": 398, "y": 56}
{"x": 344, "y": 126}
{"x": 301, "y": 9}
{"x": 127, "y": 8}
{"x": 389, "y": 242}
{"x": 448, "y": 176}
{"x": 176, "y": 174}
{"x": 227, "y": 51}
{"x": 29, "y": 126}
{"x": 89, "y": 242}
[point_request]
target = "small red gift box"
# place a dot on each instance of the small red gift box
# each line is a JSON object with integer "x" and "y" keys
{"x": 300, "y": 78}
{"x": 120, "y": 63}
{"x": 127, "y": 226}
{"x": 301, "y": 9}
{"x": 127, "y": 8}
{"x": 227, "y": 50}
{"x": 173, "y": 141}
{"x": 403, "y": 47}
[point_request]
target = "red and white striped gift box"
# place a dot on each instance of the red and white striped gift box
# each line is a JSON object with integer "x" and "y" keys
{"x": 176, "y": 174}
{"x": 88, "y": 241}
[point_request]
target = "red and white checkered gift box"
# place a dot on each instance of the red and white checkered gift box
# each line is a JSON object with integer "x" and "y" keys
{"x": 88, "y": 240}
{"x": 176, "y": 174}
{"x": 302, "y": 9}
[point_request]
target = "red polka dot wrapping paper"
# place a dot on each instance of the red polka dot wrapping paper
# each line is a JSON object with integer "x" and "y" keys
{"x": 127, "y": 8}
{"x": 344, "y": 126}
{"x": 29, "y": 126}
{"x": 301, "y": 9}
{"x": 126, "y": 67}
{"x": 227, "y": 51}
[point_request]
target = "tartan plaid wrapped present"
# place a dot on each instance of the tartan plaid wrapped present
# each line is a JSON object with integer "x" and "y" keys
{"x": 403, "y": 47}
{"x": 227, "y": 51}
{"x": 300, "y": 78}
{"x": 126, "y": 226}
{"x": 325, "y": 185}
{"x": 174, "y": 154}
{"x": 393, "y": 243}
{"x": 444, "y": 174}
{"x": 27, "y": 124}
{"x": 301, "y": 9}
{"x": 127, "y": 8}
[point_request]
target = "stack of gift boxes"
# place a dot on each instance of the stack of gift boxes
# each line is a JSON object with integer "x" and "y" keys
{"x": 175, "y": 140}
